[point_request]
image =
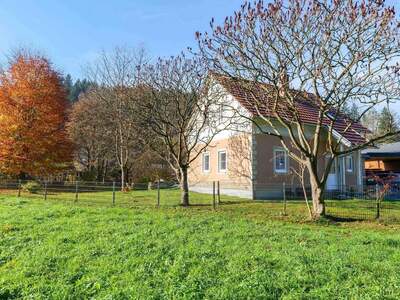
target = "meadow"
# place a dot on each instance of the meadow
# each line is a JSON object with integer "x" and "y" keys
{"x": 61, "y": 249}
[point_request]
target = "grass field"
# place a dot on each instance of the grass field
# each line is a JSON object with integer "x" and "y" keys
{"x": 60, "y": 249}
{"x": 349, "y": 209}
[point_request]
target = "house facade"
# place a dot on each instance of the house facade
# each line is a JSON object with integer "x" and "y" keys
{"x": 252, "y": 164}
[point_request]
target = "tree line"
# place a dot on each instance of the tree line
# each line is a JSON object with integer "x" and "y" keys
{"x": 137, "y": 116}
{"x": 381, "y": 121}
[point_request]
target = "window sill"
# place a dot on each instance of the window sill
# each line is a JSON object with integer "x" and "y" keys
{"x": 283, "y": 172}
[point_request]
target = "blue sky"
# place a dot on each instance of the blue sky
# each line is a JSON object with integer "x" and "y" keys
{"x": 71, "y": 32}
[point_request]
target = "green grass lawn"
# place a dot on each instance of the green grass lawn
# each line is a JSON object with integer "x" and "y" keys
{"x": 350, "y": 209}
{"x": 60, "y": 249}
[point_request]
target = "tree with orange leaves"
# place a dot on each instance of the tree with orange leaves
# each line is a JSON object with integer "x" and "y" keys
{"x": 33, "y": 110}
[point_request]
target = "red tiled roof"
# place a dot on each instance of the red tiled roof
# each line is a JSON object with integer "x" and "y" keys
{"x": 257, "y": 99}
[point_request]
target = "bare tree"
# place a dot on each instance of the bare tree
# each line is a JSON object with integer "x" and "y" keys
{"x": 180, "y": 112}
{"x": 310, "y": 55}
{"x": 90, "y": 129}
{"x": 117, "y": 76}
{"x": 300, "y": 172}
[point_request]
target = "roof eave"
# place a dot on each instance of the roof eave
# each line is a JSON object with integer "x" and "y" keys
{"x": 341, "y": 138}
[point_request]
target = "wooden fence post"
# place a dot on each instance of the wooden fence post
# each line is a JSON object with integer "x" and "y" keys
{"x": 378, "y": 212}
{"x": 213, "y": 194}
{"x": 158, "y": 192}
{"x": 76, "y": 191}
{"x": 218, "y": 193}
{"x": 284, "y": 198}
{"x": 45, "y": 190}
{"x": 113, "y": 193}
{"x": 19, "y": 188}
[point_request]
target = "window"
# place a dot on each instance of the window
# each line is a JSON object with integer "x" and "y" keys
{"x": 222, "y": 161}
{"x": 349, "y": 163}
{"x": 206, "y": 162}
{"x": 280, "y": 161}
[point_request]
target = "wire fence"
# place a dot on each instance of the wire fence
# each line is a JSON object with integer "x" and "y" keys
{"x": 368, "y": 202}
{"x": 351, "y": 202}
{"x": 360, "y": 202}
{"x": 151, "y": 194}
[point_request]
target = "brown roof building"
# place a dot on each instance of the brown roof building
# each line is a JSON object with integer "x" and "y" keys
{"x": 255, "y": 165}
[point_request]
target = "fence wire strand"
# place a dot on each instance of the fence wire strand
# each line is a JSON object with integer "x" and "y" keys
{"x": 350, "y": 202}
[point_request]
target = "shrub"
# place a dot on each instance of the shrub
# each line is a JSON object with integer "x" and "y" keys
{"x": 31, "y": 187}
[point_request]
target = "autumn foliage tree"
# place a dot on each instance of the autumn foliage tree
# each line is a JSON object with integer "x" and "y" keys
{"x": 33, "y": 110}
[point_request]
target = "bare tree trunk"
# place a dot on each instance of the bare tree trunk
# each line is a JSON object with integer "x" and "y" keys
{"x": 184, "y": 186}
{"x": 122, "y": 159}
{"x": 317, "y": 190}
{"x": 303, "y": 185}
{"x": 105, "y": 167}
{"x": 99, "y": 169}
{"x": 318, "y": 209}
{"x": 122, "y": 177}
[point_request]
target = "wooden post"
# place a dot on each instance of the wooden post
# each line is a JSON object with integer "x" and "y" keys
{"x": 158, "y": 193}
{"x": 76, "y": 191}
{"x": 218, "y": 193}
{"x": 19, "y": 188}
{"x": 213, "y": 194}
{"x": 45, "y": 190}
{"x": 378, "y": 212}
{"x": 113, "y": 193}
{"x": 284, "y": 198}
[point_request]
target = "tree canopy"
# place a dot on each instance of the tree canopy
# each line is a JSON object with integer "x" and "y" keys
{"x": 33, "y": 112}
{"x": 320, "y": 53}
{"x": 75, "y": 89}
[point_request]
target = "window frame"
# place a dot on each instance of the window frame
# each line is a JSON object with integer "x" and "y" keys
{"x": 206, "y": 153}
{"x": 349, "y": 170}
{"x": 286, "y": 160}
{"x": 219, "y": 161}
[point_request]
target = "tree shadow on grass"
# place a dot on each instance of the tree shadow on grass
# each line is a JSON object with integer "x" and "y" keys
{"x": 344, "y": 219}
{"x": 234, "y": 202}
{"x": 194, "y": 205}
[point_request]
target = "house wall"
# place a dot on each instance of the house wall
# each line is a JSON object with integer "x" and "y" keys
{"x": 250, "y": 168}
{"x": 236, "y": 180}
{"x": 268, "y": 184}
{"x": 250, "y": 161}
{"x": 235, "y": 139}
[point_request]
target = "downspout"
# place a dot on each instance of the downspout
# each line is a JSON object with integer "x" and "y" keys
{"x": 253, "y": 162}
{"x": 360, "y": 171}
{"x": 342, "y": 169}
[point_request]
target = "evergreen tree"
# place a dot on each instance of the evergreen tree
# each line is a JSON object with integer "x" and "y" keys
{"x": 74, "y": 89}
{"x": 370, "y": 120}
{"x": 67, "y": 82}
{"x": 388, "y": 122}
{"x": 354, "y": 113}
